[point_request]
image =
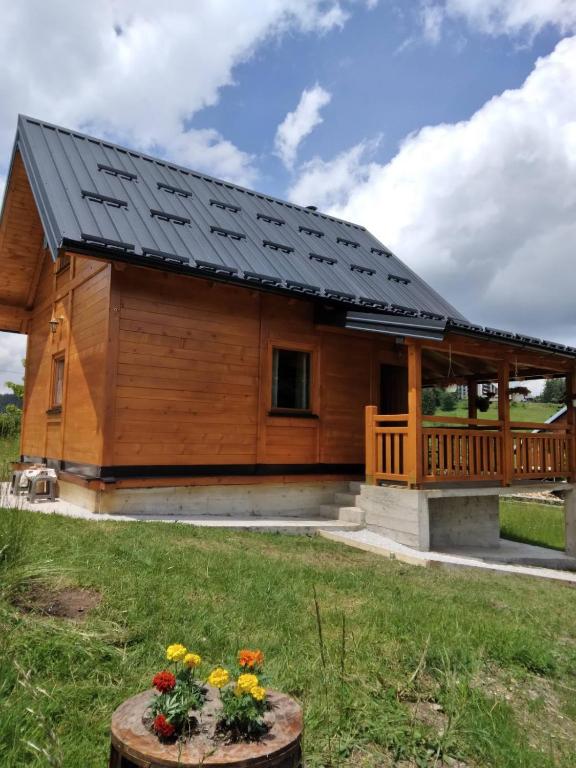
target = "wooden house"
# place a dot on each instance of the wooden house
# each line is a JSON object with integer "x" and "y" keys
{"x": 197, "y": 346}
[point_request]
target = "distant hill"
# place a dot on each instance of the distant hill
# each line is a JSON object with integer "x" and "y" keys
{"x": 9, "y": 399}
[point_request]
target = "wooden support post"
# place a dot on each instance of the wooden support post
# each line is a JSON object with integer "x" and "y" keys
{"x": 571, "y": 424}
{"x": 472, "y": 404}
{"x": 504, "y": 417}
{"x": 371, "y": 411}
{"x": 414, "y": 436}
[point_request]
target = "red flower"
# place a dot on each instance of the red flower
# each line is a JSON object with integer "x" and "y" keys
{"x": 164, "y": 681}
{"x": 163, "y": 727}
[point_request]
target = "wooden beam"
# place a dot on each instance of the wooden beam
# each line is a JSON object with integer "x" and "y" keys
{"x": 414, "y": 437}
{"x": 472, "y": 404}
{"x": 498, "y": 351}
{"x": 571, "y": 422}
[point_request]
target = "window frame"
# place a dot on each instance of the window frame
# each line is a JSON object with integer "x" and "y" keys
{"x": 288, "y": 346}
{"x": 58, "y": 364}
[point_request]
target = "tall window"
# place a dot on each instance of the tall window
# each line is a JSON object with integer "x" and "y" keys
{"x": 291, "y": 379}
{"x": 57, "y": 382}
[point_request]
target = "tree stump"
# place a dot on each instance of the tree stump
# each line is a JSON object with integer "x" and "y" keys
{"x": 133, "y": 745}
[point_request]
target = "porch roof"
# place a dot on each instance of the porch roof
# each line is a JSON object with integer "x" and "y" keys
{"x": 427, "y": 326}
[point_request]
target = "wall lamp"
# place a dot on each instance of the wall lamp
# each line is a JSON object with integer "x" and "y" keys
{"x": 54, "y": 322}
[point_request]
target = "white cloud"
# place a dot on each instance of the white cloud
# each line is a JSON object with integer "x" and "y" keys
{"x": 12, "y": 352}
{"x": 300, "y": 123}
{"x": 431, "y": 17}
{"x": 139, "y": 70}
{"x": 485, "y": 209}
{"x": 512, "y": 17}
{"x": 329, "y": 184}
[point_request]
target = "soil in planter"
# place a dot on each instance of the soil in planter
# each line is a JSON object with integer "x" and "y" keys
{"x": 72, "y": 603}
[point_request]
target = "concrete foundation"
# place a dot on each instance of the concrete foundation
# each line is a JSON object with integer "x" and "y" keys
{"x": 293, "y": 499}
{"x": 444, "y": 518}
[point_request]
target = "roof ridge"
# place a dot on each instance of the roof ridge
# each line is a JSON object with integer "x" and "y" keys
{"x": 189, "y": 171}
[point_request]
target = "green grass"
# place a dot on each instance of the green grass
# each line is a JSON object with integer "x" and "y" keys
{"x": 496, "y": 652}
{"x": 9, "y": 451}
{"x": 540, "y": 524}
{"x": 537, "y": 412}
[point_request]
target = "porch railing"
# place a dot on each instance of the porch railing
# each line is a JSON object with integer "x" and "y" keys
{"x": 451, "y": 450}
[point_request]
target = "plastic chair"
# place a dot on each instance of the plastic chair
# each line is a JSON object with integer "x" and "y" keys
{"x": 16, "y": 489}
{"x": 42, "y": 488}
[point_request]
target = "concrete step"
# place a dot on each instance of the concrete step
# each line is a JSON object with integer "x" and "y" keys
{"x": 352, "y": 515}
{"x": 329, "y": 511}
{"x": 345, "y": 499}
{"x": 355, "y": 487}
{"x": 348, "y": 514}
{"x": 307, "y": 526}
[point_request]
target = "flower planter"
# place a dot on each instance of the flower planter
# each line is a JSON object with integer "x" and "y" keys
{"x": 133, "y": 745}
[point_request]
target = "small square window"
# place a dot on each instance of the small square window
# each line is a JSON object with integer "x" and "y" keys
{"x": 57, "y": 382}
{"x": 291, "y": 379}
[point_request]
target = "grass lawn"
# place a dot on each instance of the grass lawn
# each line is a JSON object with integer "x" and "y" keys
{"x": 540, "y": 524}
{"x": 466, "y": 665}
{"x": 9, "y": 451}
{"x": 538, "y": 412}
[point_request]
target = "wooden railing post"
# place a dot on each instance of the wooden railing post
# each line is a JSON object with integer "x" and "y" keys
{"x": 370, "y": 414}
{"x": 414, "y": 458}
{"x": 504, "y": 418}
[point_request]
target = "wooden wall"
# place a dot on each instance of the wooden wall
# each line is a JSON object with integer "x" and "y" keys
{"x": 166, "y": 370}
{"x": 193, "y": 377}
{"x": 79, "y": 297}
{"x": 21, "y": 242}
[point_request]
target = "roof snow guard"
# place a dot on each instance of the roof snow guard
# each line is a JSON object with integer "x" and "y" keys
{"x": 98, "y": 197}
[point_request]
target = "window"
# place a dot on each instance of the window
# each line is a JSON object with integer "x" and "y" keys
{"x": 291, "y": 379}
{"x": 57, "y": 382}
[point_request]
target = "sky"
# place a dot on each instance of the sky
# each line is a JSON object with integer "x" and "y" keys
{"x": 447, "y": 127}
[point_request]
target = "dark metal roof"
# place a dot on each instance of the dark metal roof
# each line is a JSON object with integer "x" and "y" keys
{"x": 404, "y": 322}
{"x": 96, "y": 196}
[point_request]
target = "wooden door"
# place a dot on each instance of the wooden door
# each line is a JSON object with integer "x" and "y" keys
{"x": 393, "y": 389}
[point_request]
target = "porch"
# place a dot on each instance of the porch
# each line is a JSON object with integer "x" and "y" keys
{"x": 423, "y": 451}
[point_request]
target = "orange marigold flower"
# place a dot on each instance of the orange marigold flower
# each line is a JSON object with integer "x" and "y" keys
{"x": 250, "y": 659}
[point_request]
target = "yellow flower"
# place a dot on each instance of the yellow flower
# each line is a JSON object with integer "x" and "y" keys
{"x": 192, "y": 660}
{"x": 219, "y": 677}
{"x": 258, "y": 693}
{"x": 176, "y": 652}
{"x": 246, "y": 683}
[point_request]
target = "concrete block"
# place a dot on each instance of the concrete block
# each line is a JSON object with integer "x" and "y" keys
{"x": 467, "y": 521}
{"x": 300, "y": 500}
{"x": 570, "y": 521}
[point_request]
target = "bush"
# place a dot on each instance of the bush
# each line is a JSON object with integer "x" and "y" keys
{"x": 449, "y": 401}
{"x": 429, "y": 401}
{"x": 10, "y": 422}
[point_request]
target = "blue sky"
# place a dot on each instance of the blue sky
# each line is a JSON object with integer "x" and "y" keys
{"x": 378, "y": 88}
{"x": 447, "y": 127}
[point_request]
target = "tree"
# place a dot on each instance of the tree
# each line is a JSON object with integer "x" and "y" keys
{"x": 448, "y": 401}
{"x": 429, "y": 401}
{"x": 17, "y": 389}
{"x": 554, "y": 391}
{"x": 11, "y": 418}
